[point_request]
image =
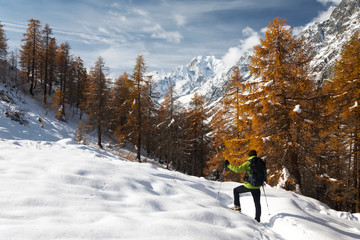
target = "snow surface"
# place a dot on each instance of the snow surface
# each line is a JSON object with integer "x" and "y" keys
{"x": 54, "y": 188}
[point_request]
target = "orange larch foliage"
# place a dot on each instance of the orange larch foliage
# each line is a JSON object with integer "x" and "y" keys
{"x": 278, "y": 100}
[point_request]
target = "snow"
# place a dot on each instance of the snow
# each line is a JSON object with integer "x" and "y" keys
{"x": 355, "y": 105}
{"x": 269, "y": 83}
{"x": 297, "y": 109}
{"x": 54, "y": 188}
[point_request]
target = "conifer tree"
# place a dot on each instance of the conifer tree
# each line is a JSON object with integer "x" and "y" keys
{"x": 13, "y": 61}
{"x": 231, "y": 125}
{"x": 120, "y": 104}
{"x": 278, "y": 99}
{"x": 196, "y": 133}
{"x": 80, "y": 82}
{"x": 169, "y": 132}
{"x": 51, "y": 65}
{"x": 3, "y": 43}
{"x": 47, "y": 31}
{"x": 30, "y": 53}
{"x": 3, "y": 53}
{"x": 63, "y": 63}
{"x": 236, "y": 143}
{"x": 150, "y": 113}
{"x": 97, "y": 98}
{"x": 345, "y": 109}
{"x": 137, "y": 117}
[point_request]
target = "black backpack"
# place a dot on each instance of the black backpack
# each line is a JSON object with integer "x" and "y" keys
{"x": 257, "y": 174}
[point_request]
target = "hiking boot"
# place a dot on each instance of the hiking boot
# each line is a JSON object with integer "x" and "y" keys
{"x": 236, "y": 208}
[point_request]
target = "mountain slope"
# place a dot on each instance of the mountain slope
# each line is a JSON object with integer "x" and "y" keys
{"x": 330, "y": 35}
{"x": 55, "y": 188}
{"x": 327, "y": 36}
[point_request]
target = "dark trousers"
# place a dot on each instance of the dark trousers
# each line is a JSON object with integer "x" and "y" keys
{"x": 256, "y": 196}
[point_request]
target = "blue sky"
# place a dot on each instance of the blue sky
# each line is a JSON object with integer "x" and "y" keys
{"x": 168, "y": 33}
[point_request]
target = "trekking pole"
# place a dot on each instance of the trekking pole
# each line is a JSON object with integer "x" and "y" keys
{"x": 222, "y": 179}
{"x": 266, "y": 200}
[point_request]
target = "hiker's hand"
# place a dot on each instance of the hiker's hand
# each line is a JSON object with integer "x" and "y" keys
{"x": 226, "y": 163}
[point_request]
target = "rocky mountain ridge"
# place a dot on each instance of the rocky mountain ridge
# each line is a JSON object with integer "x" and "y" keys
{"x": 208, "y": 75}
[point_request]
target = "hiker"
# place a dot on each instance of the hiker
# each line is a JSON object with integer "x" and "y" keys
{"x": 247, "y": 187}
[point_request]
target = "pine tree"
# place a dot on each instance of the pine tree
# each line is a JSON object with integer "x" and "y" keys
{"x": 30, "y": 53}
{"x": 278, "y": 99}
{"x": 97, "y": 98}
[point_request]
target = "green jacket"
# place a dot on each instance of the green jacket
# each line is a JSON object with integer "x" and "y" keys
{"x": 243, "y": 167}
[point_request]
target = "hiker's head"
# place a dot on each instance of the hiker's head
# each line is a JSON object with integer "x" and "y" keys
{"x": 252, "y": 153}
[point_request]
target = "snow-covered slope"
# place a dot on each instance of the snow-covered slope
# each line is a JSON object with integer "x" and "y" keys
{"x": 26, "y": 113}
{"x": 209, "y": 75}
{"x": 54, "y": 188}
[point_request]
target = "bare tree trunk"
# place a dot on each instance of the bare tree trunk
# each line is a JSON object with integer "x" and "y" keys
{"x": 99, "y": 136}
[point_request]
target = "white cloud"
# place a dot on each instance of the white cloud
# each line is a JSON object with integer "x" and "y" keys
{"x": 325, "y": 2}
{"x": 234, "y": 53}
{"x": 159, "y": 32}
{"x": 140, "y": 12}
{"x": 180, "y": 20}
{"x": 103, "y": 30}
{"x": 118, "y": 16}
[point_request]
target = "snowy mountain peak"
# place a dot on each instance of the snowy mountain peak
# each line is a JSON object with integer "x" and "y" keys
{"x": 345, "y": 10}
{"x": 330, "y": 35}
{"x": 192, "y": 77}
{"x": 209, "y": 75}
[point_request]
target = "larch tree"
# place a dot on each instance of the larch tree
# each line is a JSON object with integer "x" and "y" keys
{"x": 80, "y": 82}
{"x": 96, "y": 102}
{"x": 51, "y": 65}
{"x": 150, "y": 113}
{"x": 30, "y": 53}
{"x": 63, "y": 63}
{"x": 47, "y": 32}
{"x": 13, "y": 61}
{"x": 345, "y": 109}
{"x": 279, "y": 98}
{"x": 169, "y": 132}
{"x": 121, "y": 100}
{"x": 137, "y": 117}
{"x": 3, "y": 53}
{"x": 237, "y": 143}
{"x": 196, "y": 133}
{"x": 229, "y": 124}
{"x": 3, "y": 43}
